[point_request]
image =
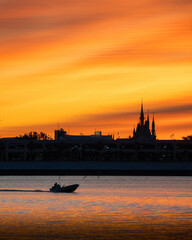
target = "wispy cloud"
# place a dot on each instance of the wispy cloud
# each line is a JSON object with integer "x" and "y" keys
{"x": 175, "y": 109}
{"x": 126, "y": 115}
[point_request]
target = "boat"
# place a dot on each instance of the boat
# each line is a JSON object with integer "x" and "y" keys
{"x": 68, "y": 189}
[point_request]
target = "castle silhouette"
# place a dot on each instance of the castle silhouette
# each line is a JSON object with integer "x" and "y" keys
{"x": 143, "y": 132}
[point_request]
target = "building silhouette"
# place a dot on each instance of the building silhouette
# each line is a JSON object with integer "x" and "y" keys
{"x": 143, "y": 131}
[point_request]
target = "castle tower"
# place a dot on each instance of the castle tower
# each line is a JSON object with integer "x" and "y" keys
{"x": 147, "y": 131}
{"x": 153, "y": 128}
{"x": 134, "y": 131}
{"x": 142, "y": 115}
{"x": 143, "y": 132}
{"x": 147, "y": 122}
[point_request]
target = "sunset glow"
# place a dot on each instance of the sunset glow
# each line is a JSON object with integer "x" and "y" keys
{"x": 86, "y": 65}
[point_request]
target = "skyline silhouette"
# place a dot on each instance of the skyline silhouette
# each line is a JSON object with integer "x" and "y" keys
{"x": 91, "y": 124}
{"x": 144, "y": 129}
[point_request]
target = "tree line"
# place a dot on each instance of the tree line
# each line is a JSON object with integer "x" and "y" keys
{"x": 44, "y": 136}
{"x": 35, "y": 136}
{"x": 187, "y": 138}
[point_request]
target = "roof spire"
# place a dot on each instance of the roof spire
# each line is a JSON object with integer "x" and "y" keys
{"x": 142, "y": 114}
{"x": 153, "y": 127}
{"x": 134, "y": 131}
{"x": 148, "y": 115}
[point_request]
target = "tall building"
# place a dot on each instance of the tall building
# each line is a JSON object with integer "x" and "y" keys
{"x": 142, "y": 131}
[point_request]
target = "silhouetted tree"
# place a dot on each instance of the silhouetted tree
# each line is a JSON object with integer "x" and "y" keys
{"x": 189, "y": 138}
{"x": 35, "y": 136}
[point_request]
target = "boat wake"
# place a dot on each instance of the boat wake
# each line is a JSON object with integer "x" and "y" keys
{"x": 56, "y": 189}
{"x": 20, "y": 190}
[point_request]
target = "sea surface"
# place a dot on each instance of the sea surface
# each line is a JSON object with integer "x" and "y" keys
{"x": 107, "y": 207}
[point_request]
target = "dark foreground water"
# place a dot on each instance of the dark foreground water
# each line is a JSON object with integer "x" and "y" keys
{"x": 101, "y": 208}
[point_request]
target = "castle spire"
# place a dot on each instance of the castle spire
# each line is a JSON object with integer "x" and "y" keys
{"x": 134, "y": 131}
{"x": 142, "y": 114}
{"x": 153, "y": 128}
{"x": 147, "y": 121}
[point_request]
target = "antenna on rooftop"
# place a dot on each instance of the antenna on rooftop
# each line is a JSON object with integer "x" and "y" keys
{"x": 172, "y": 136}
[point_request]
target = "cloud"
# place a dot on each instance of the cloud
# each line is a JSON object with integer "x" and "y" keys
{"x": 126, "y": 115}
{"x": 64, "y": 13}
{"x": 144, "y": 22}
{"x": 177, "y": 127}
{"x": 44, "y": 23}
{"x": 175, "y": 109}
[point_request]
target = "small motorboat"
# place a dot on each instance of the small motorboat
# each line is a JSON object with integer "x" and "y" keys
{"x": 68, "y": 189}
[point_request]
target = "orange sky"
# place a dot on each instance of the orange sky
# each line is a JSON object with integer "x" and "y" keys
{"x": 87, "y": 65}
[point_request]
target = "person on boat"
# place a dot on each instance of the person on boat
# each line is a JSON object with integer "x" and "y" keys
{"x": 56, "y": 186}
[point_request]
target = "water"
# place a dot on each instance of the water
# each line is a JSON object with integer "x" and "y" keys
{"x": 101, "y": 208}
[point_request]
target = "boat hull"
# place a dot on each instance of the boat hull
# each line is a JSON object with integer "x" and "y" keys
{"x": 66, "y": 189}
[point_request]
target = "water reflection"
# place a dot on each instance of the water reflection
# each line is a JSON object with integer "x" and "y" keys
{"x": 104, "y": 208}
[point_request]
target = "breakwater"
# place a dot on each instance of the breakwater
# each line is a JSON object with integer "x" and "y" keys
{"x": 85, "y": 168}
